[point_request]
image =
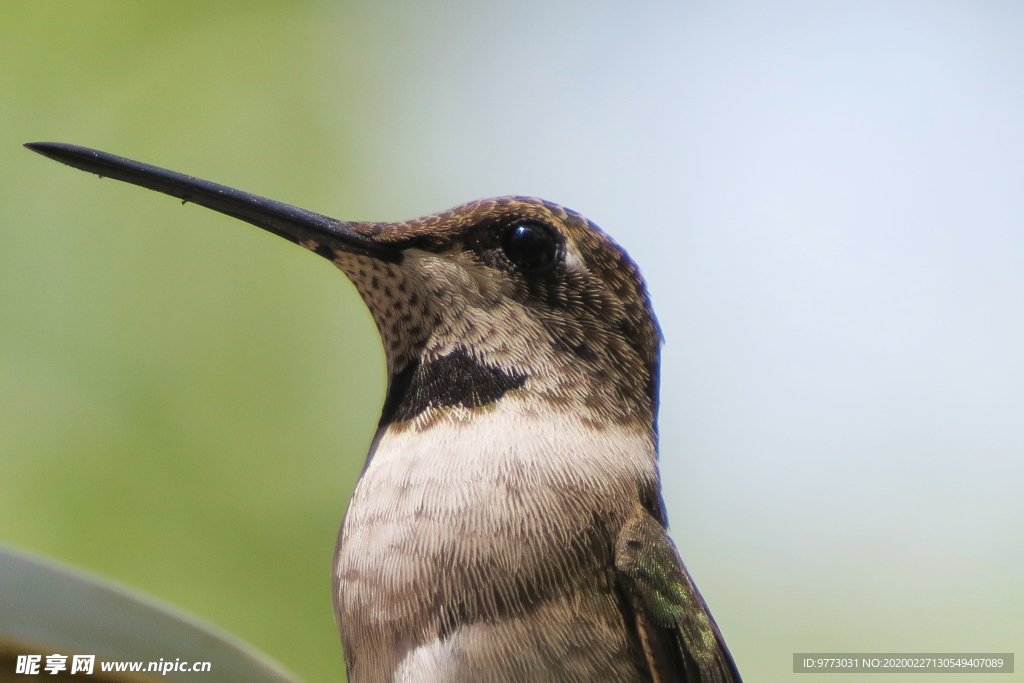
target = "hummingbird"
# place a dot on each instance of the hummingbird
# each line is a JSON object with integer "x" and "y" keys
{"x": 508, "y": 525}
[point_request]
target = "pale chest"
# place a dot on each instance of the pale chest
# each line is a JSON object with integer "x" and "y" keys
{"x": 464, "y": 512}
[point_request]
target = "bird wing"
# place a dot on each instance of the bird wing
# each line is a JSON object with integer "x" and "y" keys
{"x": 680, "y": 639}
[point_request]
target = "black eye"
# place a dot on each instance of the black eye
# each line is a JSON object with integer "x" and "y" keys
{"x": 531, "y": 246}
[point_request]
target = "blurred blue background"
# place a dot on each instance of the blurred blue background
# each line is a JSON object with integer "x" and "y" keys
{"x": 826, "y": 199}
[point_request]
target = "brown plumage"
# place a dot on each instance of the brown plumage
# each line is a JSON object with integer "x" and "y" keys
{"x": 596, "y": 315}
{"x": 508, "y": 524}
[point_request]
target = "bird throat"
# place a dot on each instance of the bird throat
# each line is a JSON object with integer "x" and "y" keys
{"x": 455, "y": 380}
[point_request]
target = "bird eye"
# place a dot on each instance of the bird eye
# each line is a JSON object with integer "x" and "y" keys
{"x": 531, "y": 246}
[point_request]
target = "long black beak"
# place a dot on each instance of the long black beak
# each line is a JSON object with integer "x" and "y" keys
{"x": 313, "y": 230}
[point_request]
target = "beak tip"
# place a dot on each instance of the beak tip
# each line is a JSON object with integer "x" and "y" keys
{"x": 54, "y": 150}
{"x": 326, "y": 235}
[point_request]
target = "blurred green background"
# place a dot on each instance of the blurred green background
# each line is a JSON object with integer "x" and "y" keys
{"x": 824, "y": 197}
{"x": 185, "y": 402}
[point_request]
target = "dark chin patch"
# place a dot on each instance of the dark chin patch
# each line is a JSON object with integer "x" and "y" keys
{"x": 452, "y": 380}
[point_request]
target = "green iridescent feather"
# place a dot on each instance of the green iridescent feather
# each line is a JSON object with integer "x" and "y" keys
{"x": 664, "y": 599}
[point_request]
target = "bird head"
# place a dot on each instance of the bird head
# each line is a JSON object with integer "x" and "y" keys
{"x": 503, "y": 296}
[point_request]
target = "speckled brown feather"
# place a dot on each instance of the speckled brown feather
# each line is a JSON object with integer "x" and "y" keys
{"x": 596, "y": 317}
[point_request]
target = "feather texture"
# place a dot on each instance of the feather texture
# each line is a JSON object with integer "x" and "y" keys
{"x": 681, "y": 641}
